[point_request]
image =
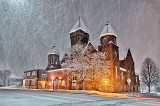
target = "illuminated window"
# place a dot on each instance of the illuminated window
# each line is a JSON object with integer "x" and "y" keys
{"x": 116, "y": 70}
{"x": 74, "y": 77}
{"x": 50, "y": 83}
{"x": 122, "y": 74}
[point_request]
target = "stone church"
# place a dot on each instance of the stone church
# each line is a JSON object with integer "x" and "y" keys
{"x": 122, "y": 77}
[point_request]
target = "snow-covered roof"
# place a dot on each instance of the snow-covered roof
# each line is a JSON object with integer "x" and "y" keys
{"x": 89, "y": 48}
{"x": 79, "y": 25}
{"x": 62, "y": 69}
{"x": 137, "y": 74}
{"x": 108, "y": 30}
{"x": 54, "y": 50}
{"x": 123, "y": 69}
{"x": 123, "y": 54}
{"x": 110, "y": 42}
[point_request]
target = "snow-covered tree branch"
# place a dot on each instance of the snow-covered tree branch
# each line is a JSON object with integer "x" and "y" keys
{"x": 149, "y": 73}
{"x": 86, "y": 65}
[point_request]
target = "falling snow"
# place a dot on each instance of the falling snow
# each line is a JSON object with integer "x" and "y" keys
{"x": 29, "y": 28}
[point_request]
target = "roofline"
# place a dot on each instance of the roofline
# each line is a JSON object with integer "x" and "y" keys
{"x": 62, "y": 69}
{"x": 34, "y": 70}
{"x": 77, "y": 30}
{"x": 110, "y": 34}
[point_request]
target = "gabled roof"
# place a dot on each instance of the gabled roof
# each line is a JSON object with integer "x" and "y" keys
{"x": 54, "y": 50}
{"x": 89, "y": 48}
{"x": 65, "y": 57}
{"x": 108, "y": 30}
{"x": 79, "y": 25}
{"x": 123, "y": 54}
{"x": 129, "y": 56}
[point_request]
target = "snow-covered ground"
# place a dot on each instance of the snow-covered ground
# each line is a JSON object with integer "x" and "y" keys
{"x": 39, "y": 98}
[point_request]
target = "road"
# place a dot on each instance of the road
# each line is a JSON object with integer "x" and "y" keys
{"x": 39, "y": 98}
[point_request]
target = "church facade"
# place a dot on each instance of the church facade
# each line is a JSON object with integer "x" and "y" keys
{"x": 121, "y": 77}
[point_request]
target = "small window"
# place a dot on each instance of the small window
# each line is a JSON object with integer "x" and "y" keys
{"x": 122, "y": 75}
{"x": 24, "y": 74}
{"x": 52, "y": 60}
{"x": 44, "y": 75}
{"x": 33, "y": 73}
{"x": 28, "y": 73}
{"x": 116, "y": 71}
{"x": 105, "y": 54}
{"x": 104, "y": 41}
{"x": 27, "y": 82}
{"x": 33, "y": 82}
{"x": 115, "y": 54}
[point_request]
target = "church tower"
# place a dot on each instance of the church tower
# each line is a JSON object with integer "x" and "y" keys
{"x": 79, "y": 34}
{"x": 53, "y": 59}
{"x": 108, "y": 45}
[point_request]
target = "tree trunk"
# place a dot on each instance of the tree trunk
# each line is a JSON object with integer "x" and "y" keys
{"x": 83, "y": 80}
{"x": 149, "y": 89}
{"x": 83, "y": 85}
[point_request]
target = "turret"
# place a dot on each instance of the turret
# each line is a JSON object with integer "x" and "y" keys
{"x": 53, "y": 59}
{"x": 108, "y": 46}
{"x": 79, "y": 34}
{"x": 108, "y": 35}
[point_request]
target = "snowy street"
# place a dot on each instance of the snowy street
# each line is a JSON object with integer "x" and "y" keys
{"x": 40, "y": 98}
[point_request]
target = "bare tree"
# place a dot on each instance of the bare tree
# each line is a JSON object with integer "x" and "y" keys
{"x": 0, "y": 78}
{"x": 149, "y": 73}
{"x": 86, "y": 66}
{"x": 4, "y": 76}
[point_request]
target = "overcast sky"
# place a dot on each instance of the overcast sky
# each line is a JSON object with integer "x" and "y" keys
{"x": 29, "y": 28}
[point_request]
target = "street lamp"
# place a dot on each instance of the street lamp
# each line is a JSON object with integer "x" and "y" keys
{"x": 106, "y": 81}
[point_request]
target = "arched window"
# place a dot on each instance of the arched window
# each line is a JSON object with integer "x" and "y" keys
{"x": 105, "y": 54}
{"x": 122, "y": 74}
{"x": 116, "y": 70}
{"x": 52, "y": 60}
{"x": 104, "y": 41}
{"x": 115, "y": 41}
{"x": 115, "y": 54}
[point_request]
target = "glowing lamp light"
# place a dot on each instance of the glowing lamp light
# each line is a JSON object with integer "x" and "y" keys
{"x": 105, "y": 81}
{"x": 63, "y": 83}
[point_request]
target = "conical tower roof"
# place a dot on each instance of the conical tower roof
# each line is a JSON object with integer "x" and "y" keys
{"x": 108, "y": 30}
{"x": 79, "y": 25}
{"x": 54, "y": 50}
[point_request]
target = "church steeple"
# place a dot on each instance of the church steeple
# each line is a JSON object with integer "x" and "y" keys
{"x": 79, "y": 33}
{"x": 108, "y": 35}
{"x": 53, "y": 59}
{"x": 79, "y": 26}
{"x": 108, "y": 30}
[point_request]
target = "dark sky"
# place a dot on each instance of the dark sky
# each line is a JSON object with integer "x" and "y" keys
{"x": 29, "y": 28}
